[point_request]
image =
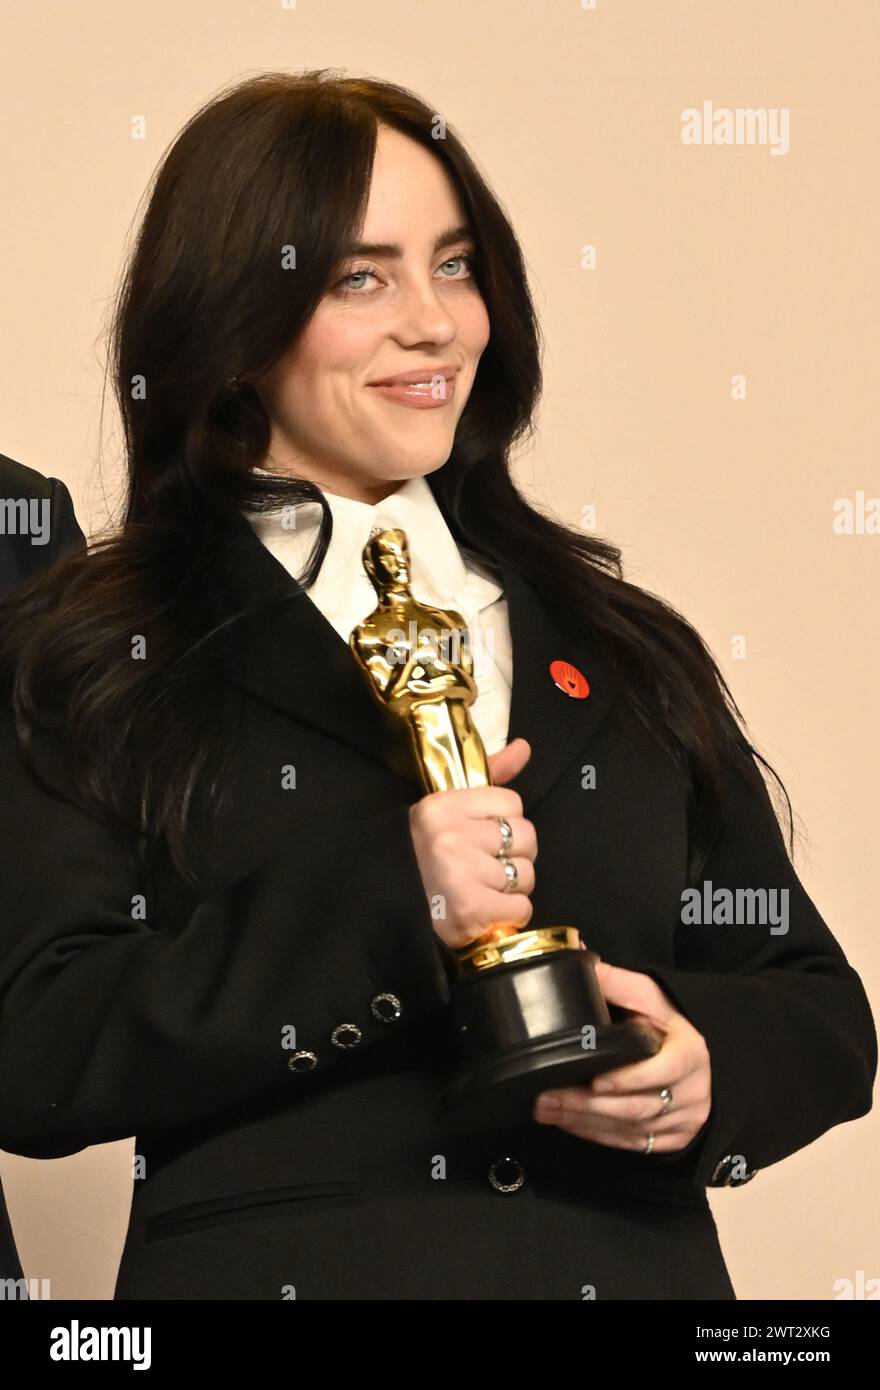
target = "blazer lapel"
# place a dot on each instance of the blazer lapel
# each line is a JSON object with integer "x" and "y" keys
{"x": 288, "y": 655}
{"x": 292, "y": 659}
{"x": 556, "y": 724}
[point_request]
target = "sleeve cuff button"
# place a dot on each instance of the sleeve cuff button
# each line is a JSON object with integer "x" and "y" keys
{"x": 346, "y": 1035}
{"x": 387, "y": 1008}
{"x": 506, "y": 1174}
{"x": 302, "y": 1061}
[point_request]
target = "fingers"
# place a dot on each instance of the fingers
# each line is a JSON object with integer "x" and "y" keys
{"x": 487, "y": 835}
{"x": 626, "y": 1121}
{"x": 457, "y": 841}
{"x": 614, "y": 1111}
{"x": 634, "y": 1140}
{"x": 477, "y": 808}
{"x": 525, "y": 876}
{"x": 480, "y": 802}
{"x": 633, "y": 990}
{"x": 639, "y": 1108}
{"x": 480, "y": 892}
{"x": 682, "y": 1053}
{"x": 509, "y": 909}
{"x": 509, "y": 761}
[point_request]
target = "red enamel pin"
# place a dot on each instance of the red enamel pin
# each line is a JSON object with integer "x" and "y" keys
{"x": 569, "y": 679}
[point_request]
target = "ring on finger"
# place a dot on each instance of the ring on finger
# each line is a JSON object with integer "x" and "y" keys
{"x": 506, "y": 838}
{"x": 510, "y": 870}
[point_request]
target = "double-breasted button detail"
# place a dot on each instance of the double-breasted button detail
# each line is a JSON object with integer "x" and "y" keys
{"x": 302, "y": 1060}
{"x": 723, "y": 1176}
{"x": 387, "y": 1008}
{"x": 507, "y": 1174}
{"x": 346, "y": 1035}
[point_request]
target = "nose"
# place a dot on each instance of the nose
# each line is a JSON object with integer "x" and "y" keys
{"x": 423, "y": 316}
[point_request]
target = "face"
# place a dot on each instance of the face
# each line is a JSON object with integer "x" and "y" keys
{"x": 417, "y": 311}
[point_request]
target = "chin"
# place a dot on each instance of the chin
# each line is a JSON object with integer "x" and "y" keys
{"x": 420, "y": 468}
{"x": 389, "y": 461}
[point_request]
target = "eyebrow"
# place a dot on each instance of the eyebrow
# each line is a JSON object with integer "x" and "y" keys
{"x": 391, "y": 249}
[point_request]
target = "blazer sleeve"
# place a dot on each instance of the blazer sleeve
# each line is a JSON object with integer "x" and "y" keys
{"x": 111, "y": 1025}
{"x": 788, "y": 1026}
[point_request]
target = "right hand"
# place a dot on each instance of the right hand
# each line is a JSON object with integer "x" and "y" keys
{"x": 456, "y": 843}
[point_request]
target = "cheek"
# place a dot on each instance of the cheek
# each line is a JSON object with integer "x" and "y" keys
{"x": 336, "y": 342}
{"x": 473, "y": 325}
{"x": 315, "y": 380}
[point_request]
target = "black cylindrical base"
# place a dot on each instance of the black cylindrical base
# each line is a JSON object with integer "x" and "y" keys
{"x": 528, "y": 1027}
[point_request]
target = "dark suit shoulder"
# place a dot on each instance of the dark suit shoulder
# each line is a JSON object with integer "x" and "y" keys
{"x": 37, "y": 522}
{"x": 19, "y": 480}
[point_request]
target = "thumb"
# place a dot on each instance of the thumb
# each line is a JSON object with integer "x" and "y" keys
{"x": 630, "y": 989}
{"x": 508, "y": 761}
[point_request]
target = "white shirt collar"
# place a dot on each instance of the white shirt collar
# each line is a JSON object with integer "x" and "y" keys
{"x": 442, "y": 573}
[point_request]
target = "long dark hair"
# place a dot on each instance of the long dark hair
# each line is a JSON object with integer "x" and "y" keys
{"x": 206, "y": 301}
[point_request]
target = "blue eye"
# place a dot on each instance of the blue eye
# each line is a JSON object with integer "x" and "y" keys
{"x": 466, "y": 258}
{"x": 344, "y": 288}
{"x": 352, "y": 275}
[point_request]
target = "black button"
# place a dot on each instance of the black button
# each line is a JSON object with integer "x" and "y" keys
{"x": 302, "y": 1061}
{"x": 387, "y": 1008}
{"x": 507, "y": 1174}
{"x": 346, "y": 1035}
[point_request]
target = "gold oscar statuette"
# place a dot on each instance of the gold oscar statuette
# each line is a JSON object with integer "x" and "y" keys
{"x": 527, "y": 1010}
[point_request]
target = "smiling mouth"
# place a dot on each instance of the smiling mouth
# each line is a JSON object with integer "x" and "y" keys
{"x": 419, "y": 394}
{"x": 419, "y": 376}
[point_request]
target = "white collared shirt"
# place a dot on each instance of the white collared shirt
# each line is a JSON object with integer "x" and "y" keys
{"x": 443, "y": 575}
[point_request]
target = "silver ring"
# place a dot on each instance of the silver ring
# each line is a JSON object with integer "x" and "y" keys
{"x": 512, "y": 876}
{"x": 506, "y": 838}
{"x": 666, "y": 1097}
{"x": 649, "y": 1148}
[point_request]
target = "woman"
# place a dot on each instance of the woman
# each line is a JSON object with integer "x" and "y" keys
{"x": 219, "y": 906}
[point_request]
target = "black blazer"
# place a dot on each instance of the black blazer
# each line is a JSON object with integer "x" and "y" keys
{"x": 261, "y": 1178}
{"x": 19, "y": 556}
{"x": 19, "y": 559}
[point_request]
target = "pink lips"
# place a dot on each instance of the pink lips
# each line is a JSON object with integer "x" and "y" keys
{"x": 422, "y": 389}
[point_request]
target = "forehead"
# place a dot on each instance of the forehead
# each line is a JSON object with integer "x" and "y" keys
{"x": 412, "y": 196}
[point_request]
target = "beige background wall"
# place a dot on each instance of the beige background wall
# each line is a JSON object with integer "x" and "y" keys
{"x": 711, "y": 262}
